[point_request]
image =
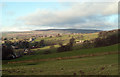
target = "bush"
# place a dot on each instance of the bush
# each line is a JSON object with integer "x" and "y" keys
{"x": 87, "y": 44}
{"x": 67, "y": 47}
{"x": 7, "y": 53}
{"x": 107, "y": 38}
{"x": 47, "y": 52}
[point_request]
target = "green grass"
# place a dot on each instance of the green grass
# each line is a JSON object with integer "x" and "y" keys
{"x": 70, "y": 53}
{"x": 66, "y": 38}
{"x": 94, "y": 65}
{"x": 88, "y": 65}
{"x": 46, "y": 48}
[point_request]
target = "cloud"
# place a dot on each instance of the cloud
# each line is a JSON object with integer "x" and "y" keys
{"x": 78, "y": 15}
{"x": 1, "y": 4}
{"x": 22, "y": 28}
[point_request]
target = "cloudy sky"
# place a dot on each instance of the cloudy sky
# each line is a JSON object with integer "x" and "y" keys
{"x": 25, "y": 16}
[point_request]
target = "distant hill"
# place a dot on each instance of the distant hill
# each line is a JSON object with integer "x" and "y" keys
{"x": 72, "y": 30}
{"x": 46, "y": 32}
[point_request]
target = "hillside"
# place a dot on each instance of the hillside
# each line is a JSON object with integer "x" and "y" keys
{"x": 100, "y": 50}
{"x": 104, "y": 63}
{"x": 72, "y": 30}
{"x": 80, "y": 60}
{"x": 46, "y": 32}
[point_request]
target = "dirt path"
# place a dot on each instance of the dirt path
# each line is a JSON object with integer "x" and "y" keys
{"x": 63, "y": 58}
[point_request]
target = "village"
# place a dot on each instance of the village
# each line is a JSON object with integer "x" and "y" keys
{"x": 24, "y": 46}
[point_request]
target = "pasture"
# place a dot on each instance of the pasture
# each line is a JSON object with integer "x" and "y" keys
{"x": 82, "y": 59}
{"x": 96, "y": 65}
{"x": 96, "y": 61}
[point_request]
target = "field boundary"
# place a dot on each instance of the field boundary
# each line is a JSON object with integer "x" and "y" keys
{"x": 63, "y": 58}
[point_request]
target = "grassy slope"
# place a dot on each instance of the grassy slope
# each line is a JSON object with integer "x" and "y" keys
{"x": 97, "y": 65}
{"x": 70, "y": 53}
{"x": 43, "y": 49}
{"x": 66, "y": 37}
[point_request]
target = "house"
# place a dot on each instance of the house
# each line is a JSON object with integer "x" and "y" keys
{"x": 79, "y": 41}
{"x": 31, "y": 39}
{"x": 14, "y": 47}
{"x": 28, "y": 52}
{"x": 3, "y": 42}
{"x": 14, "y": 38}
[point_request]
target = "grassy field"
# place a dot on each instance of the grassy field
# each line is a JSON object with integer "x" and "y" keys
{"x": 112, "y": 48}
{"x": 81, "y": 62}
{"x": 97, "y": 65}
{"x": 91, "y": 61}
{"x": 87, "y": 36}
{"x": 65, "y": 38}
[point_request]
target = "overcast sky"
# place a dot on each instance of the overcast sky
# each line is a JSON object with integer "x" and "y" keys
{"x": 25, "y": 16}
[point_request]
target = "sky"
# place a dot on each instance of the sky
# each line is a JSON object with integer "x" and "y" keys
{"x": 27, "y": 16}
